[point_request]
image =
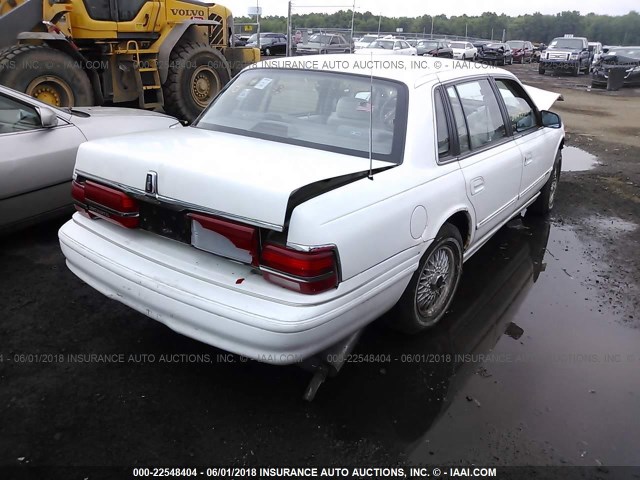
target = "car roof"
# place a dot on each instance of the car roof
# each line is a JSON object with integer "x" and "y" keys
{"x": 412, "y": 72}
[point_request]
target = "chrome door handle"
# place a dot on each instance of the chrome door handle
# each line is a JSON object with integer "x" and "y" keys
{"x": 528, "y": 158}
{"x": 477, "y": 185}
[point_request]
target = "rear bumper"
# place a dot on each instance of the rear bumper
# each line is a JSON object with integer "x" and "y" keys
{"x": 250, "y": 322}
{"x": 491, "y": 59}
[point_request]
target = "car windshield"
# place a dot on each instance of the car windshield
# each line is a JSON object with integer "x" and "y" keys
{"x": 515, "y": 44}
{"x": 494, "y": 45}
{"x": 458, "y": 45}
{"x": 633, "y": 52}
{"x": 320, "y": 38}
{"x": 572, "y": 43}
{"x": 428, "y": 44}
{"x": 320, "y": 110}
{"x": 387, "y": 44}
{"x": 368, "y": 38}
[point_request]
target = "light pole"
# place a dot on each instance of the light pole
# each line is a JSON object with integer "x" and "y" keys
{"x": 258, "y": 20}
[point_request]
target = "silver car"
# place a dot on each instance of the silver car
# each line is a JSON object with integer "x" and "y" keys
{"x": 39, "y": 143}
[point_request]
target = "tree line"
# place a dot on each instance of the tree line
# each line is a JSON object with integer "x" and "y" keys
{"x": 536, "y": 27}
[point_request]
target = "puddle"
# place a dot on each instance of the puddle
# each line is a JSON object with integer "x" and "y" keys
{"x": 576, "y": 160}
{"x": 528, "y": 358}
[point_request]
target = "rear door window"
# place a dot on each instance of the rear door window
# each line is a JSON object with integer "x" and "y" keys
{"x": 442, "y": 129}
{"x": 482, "y": 112}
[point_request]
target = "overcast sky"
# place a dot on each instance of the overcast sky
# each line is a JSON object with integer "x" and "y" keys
{"x": 413, "y": 8}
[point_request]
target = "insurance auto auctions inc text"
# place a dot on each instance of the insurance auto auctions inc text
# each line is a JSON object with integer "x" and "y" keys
{"x": 375, "y": 472}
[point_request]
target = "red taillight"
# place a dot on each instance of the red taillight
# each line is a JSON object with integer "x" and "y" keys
{"x": 305, "y": 272}
{"x": 243, "y": 237}
{"x": 109, "y": 197}
{"x": 97, "y": 200}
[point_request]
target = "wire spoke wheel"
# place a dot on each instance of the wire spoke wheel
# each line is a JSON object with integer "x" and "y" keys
{"x": 52, "y": 90}
{"x": 435, "y": 282}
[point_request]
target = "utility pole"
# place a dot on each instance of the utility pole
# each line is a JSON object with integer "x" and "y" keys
{"x": 465, "y": 31}
{"x": 289, "y": 39}
{"x": 258, "y": 20}
{"x": 353, "y": 18}
{"x": 432, "y": 26}
{"x": 379, "y": 22}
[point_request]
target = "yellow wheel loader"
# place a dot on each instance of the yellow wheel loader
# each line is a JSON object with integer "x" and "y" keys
{"x": 174, "y": 54}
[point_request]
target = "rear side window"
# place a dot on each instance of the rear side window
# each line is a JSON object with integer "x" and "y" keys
{"x": 482, "y": 113}
{"x": 519, "y": 106}
{"x": 441, "y": 127}
{"x": 458, "y": 115}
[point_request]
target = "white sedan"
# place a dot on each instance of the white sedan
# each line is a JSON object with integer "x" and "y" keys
{"x": 39, "y": 144}
{"x": 464, "y": 50}
{"x": 303, "y": 204}
{"x": 385, "y": 46}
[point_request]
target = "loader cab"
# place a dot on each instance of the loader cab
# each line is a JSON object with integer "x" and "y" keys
{"x": 115, "y": 19}
{"x": 113, "y": 10}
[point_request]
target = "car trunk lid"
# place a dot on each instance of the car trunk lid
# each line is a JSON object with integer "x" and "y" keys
{"x": 246, "y": 179}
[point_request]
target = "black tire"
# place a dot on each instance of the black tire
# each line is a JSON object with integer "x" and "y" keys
{"x": 197, "y": 73}
{"x": 407, "y": 315}
{"x": 545, "y": 201}
{"x": 522, "y": 60}
{"x": 541, "y": 70}
{"x": 575, "y": 71}
{"x": 47, "y": 74}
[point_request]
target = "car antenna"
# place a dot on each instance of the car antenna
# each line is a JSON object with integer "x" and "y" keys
{"x": 370, "y": 177}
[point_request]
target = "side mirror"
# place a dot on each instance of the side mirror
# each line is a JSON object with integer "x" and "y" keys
{"x": 550, "y": 119}
{"x": 48, "y": 118}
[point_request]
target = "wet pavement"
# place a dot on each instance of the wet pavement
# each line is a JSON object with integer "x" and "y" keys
{"x": 533, "y": 365}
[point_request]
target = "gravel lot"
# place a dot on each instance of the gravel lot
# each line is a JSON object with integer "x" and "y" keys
{"x": 538, "y": 361}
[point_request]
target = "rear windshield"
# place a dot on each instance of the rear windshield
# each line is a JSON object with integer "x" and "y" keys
{"x": 323, "y": 110}
{"x": 458, "y": 45}
{"x": 515, "y": 44}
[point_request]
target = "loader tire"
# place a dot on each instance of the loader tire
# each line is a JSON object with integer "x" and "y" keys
{"x": 197, "y": 73}
{"x": 47, "y": 74}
